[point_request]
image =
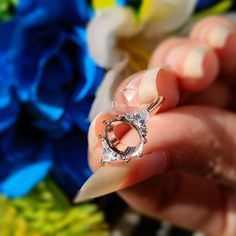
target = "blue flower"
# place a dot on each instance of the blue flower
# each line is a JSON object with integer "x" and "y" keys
{"x": 47, "y": 84}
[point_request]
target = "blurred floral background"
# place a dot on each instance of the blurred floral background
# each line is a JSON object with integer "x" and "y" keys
{"x": 52, "y": 77}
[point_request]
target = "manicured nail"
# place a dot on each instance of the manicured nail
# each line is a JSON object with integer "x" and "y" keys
{"x": 187, "y": 60}
{"x": 193, "y": 62}
{"x": 147, "y": 87}
{"x": 218, "y": 35}
{"x": 112, "y": 178}
{"x": 105, "y": 180}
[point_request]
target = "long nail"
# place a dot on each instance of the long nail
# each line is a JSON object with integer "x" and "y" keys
{"x": 147, "y": 87}
{"x": 218, "y": 36}
{"x": 112, "y": 178}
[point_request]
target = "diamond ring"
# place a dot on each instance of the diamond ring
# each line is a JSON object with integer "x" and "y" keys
{"x": 112, "y": 148}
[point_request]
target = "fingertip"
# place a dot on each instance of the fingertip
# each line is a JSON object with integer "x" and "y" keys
{"x": 194, "y": 63}
{"x": 168, "y": 88}
{"x": 145, "y": 87}
{"x": 96, "y": 128}
{"x": 219, "y": 34}
{"x": 198, "y": 71}
{"x": 227, "y": 56}
{"x": 219, "y": 25}
{"x": 161, "y": 51}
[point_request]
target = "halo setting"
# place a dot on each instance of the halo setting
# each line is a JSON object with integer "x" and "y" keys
{"x": 112, "y": 148}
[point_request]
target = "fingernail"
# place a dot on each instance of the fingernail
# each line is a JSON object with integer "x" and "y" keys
{"x": 218, "y": 35}
{"x": 147, "y": 87}
{"x": 193, "y": 62}
{"x": 187, "y": 60}
{"x": 112, "y": 178}
{"x": 105, "y": 180}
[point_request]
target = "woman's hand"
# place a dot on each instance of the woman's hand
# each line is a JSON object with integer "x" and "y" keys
{"x": 188, "y": 172}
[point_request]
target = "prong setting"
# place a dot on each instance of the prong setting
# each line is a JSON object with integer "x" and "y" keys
{"x": 137, "y": 121}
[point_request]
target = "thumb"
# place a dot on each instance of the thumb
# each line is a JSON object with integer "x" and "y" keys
{"x": 196, "y": 140}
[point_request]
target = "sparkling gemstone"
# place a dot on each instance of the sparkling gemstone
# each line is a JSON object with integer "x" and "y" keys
{"x": 138, "y": 119}
{"x": 137, "y": 115}
{"x": 108, "y": 155}
{"x": 144, "y": 115}
{"x": 129, "y": 117}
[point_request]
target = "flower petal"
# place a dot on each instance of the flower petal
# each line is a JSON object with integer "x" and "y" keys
{"x": 22, "y": 181}
{"x": 68, "y": 11}
{"x": 6, "y": 29}
{"x": 52, "y": 112}
{"x": 90, "y": 74}
{"x": 9, "y": 106}
{"x": 71, "y": 165}
{"x": 25, "y": 164}
{"x": 163, "y": 16}
{"x": 9, "y": 115}
{"x": 78, "y": 111}
{"x": 103, "y": 31}
{"x": 103, "y": 100}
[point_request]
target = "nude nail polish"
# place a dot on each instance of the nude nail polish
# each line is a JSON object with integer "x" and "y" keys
{"x": 147, "y": 87}
{"x": 115, "y": 177}
{"x": 105, "y": 180}
{"x": 193, "y": 62}
{"x": 218, "y": 35}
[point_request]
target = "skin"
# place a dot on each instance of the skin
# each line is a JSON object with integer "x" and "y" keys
{"x": 195, "y": 132}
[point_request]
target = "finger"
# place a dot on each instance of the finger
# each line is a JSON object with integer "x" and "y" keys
{"x": 196, "y": 140}
{"x": 205, "y": 134}
{"x": 144, "y": 87}
{"x": 175, "y": 197}
{"x": 219, "y": 94}
{"x": 219, "y": 34}
{"x": 195, "y": 64}
{"x": 139, "y": 90}
{"x": 96, "y": 128}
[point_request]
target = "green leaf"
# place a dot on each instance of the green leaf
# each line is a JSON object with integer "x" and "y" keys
{"x": 7, "y": 8}
{"x": 219, "y": 8}
{"x": 47, "y": 212}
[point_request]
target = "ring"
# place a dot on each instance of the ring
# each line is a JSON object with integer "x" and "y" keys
{"x": 112, "y": 148}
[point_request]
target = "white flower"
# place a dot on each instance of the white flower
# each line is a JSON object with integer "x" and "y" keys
{"x": 156, "y": 17}
{"x": 104, "y": 30}
{"x": 121, "y": 41}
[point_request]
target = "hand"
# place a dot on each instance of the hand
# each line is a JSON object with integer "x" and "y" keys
{"x": 188, "y": 172}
